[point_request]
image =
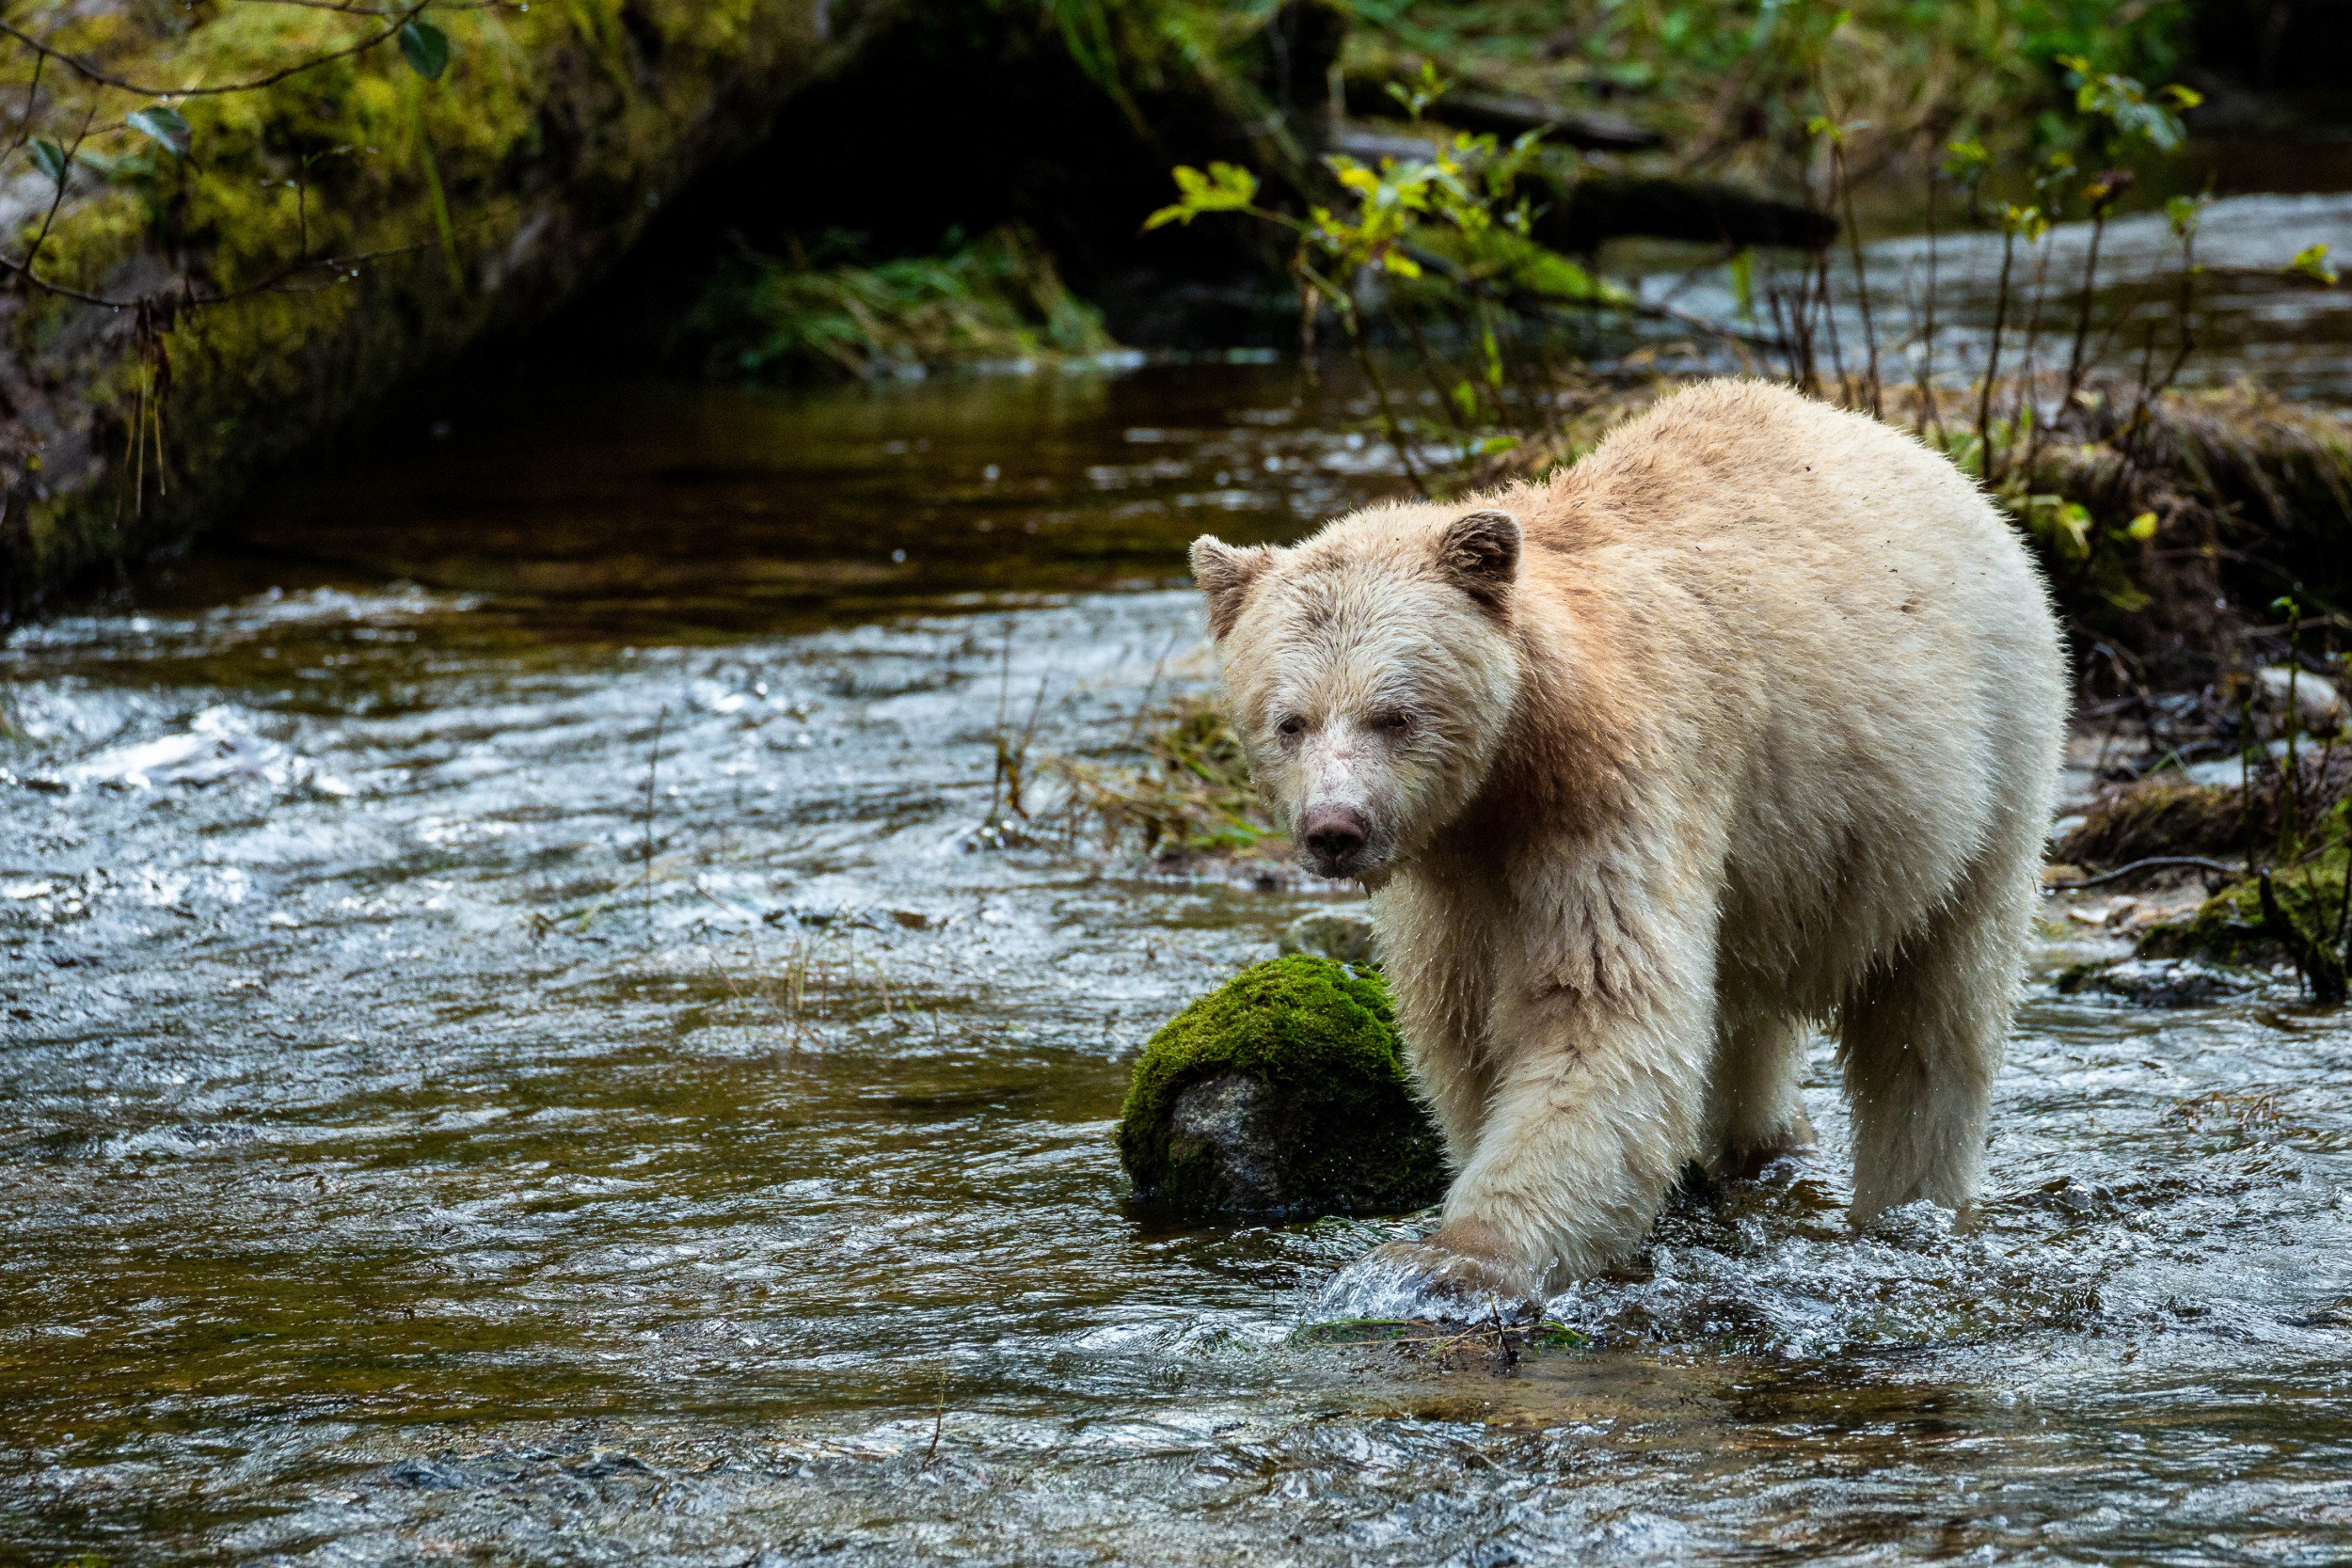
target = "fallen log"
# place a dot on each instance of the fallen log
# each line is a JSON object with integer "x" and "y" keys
{"x": 1600, "y": 207}
{"x": 1508, "y": 115}
{"x": 1576, "y": 212}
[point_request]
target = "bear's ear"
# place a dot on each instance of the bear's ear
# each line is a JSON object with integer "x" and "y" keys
{"x": 1225, "y": 575}
{"x": 1479, "y": 553}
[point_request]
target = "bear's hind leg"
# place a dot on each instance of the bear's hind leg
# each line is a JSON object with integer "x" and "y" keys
{"x": 1756, "y": 1114}
{"x": 1920, "y": 1040}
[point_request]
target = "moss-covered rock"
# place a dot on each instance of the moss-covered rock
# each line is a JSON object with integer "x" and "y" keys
{"x": 1283, "y": 1092}
{"x": 2226, "y": 928}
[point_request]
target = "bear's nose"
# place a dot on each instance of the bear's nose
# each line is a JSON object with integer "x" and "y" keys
{"x": 1333, "y": 835}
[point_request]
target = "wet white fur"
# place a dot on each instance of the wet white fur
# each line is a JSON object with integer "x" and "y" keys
{"x": 1816, "y": 684}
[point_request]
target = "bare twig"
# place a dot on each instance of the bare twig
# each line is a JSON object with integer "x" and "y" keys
{"x": 2152, "y": 863}
{"x": 88, "y": 73}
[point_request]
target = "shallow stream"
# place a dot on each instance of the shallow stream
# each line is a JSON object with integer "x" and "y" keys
{"x": 542, "y": 1068}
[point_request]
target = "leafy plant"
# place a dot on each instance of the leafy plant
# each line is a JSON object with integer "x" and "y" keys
{"x": 1443, "y": 240}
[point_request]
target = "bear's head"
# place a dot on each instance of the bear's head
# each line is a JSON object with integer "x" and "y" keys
{"x": 1371, "y": 672}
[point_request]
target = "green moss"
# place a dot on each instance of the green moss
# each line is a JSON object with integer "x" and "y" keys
{"x": 996, "y": 298}
{"x": 2225, "y": 928}
{"x": 551, "y": 139}
{"x": 1341, "y": 1114}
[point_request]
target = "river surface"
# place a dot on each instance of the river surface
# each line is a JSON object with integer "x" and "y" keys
{"x": 2253, "y": 319}
{"x": 552, "y": 1066}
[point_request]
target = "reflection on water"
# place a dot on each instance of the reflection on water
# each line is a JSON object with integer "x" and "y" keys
{"x": 680, "y": 507}
{"x": 481, "y": 1083}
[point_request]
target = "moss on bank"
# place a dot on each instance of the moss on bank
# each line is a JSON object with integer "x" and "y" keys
{"x": 998, "y": 297}
{"x": 2228, "y": 927}
{"x": 1339, "y": 1124}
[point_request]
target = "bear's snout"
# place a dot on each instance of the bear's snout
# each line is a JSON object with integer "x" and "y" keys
{"x": 1334, "y": 838}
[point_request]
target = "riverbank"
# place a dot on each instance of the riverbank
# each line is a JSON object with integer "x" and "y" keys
{"x": 265, "y": 224}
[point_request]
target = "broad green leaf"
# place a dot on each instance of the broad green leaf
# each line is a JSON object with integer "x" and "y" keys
{"x": 166, "y": 127}
{"x": 50, "y": 159}
{"x": 1966, "y": 160}
{"x": 425, "y": 48}
{"x": 2311, "y": 262}
{"x": 2142, "y": 527}
{"x": 1225, "y": 188}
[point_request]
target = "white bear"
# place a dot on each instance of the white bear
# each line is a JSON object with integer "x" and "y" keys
{"x": 1746, "y": 723}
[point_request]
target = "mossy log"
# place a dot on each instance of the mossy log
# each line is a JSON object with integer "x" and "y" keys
{"x": 488, "y": 198}
{"x": 1283, "y": 1092}
{"x": 1600, "y": 207}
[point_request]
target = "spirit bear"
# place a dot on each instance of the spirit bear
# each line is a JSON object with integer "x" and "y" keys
{"x": 1746, "y": 722}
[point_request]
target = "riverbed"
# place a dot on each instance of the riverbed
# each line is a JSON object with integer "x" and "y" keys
{"x": 533, "y": 1034}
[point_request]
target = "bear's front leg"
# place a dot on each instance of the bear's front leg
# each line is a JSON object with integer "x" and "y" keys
{"x": 1595, "y": 1112}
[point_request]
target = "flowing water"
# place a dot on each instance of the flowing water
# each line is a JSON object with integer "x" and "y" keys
{"x": 2252, "y": 317}
{"x": 550, "y": 1067}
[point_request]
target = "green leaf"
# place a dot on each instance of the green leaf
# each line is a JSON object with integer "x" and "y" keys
{"x": 2184, "y": 213}
{"x": 2311, "y": 262}
{"x": 425, "y": 48}
{"x": 2142, "y": 527}
{"x": 168, "y": 128}
{"x": 1225, "y": 188}
{"x": 50, "y": 159}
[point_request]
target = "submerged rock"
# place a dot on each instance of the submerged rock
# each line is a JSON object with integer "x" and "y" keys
{"x": 2160, "y": 982}
{"x": 1283, "y": 1092}
{"x": 1346, "y": 938}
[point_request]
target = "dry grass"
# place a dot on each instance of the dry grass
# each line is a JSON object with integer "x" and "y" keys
{"x": 1193, "y": 792}
{"x": 2253, "y": 1113}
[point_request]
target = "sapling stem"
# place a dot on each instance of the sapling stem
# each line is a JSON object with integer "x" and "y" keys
{"x": 1993, "y": 356}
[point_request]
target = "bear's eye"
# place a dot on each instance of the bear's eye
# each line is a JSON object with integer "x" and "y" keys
{"x": 1291, "y": 728}
{"x": 1392, "y": 724}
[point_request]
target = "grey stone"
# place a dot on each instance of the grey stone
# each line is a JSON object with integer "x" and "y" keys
{"x": 2317, "y": 705}
{"x": 1346, "y": 938}
{"x": 1231, "y": 1113}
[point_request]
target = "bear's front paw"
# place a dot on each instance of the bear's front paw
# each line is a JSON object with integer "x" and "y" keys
{"x": 1464, "y": 1273}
